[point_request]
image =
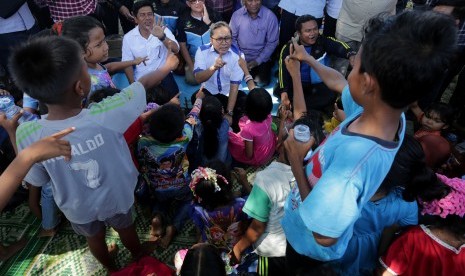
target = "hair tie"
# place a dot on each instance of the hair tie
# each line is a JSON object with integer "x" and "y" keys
{"x": 57, "y": 28}
{"x": 207, "y": 174}
{"x": 452, "y": 204}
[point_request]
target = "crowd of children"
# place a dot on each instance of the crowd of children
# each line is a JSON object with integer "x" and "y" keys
{"x": 361, "y": 195}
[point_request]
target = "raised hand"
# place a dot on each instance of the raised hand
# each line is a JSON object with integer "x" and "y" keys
{"x": 206, "y": 16}
{"x": 10, "y": 125}
{"x": 297, "y": 51}
{"x": 51, "y": 146}
{"x": 339, "y": 114}
{"x": 158, "y": 29}
{"x": 293, "y": 67}
{"x": 200, "y": 94}
{"x": 219, "y": 63}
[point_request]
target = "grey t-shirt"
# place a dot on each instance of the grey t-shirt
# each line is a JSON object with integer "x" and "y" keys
{"x": 99, "y": 180}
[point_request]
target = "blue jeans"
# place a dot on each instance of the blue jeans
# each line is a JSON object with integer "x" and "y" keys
{"x": 50, "y": 213}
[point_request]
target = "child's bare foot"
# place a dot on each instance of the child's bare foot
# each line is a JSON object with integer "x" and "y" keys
{"x": 113, "y": 252}
{"x": 156, "y": 228}
{"x": 7, "y": 252}
{"x": 169, "y": 235}
{"x": 47, "y": 232}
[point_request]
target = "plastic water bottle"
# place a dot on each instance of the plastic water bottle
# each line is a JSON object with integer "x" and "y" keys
{"x": 302, "y": 133}
{"x": 7, "y": 106}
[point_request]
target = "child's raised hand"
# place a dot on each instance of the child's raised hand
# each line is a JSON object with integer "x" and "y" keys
{"x": 200, "y": 94}
{"x": 284, "y": 112}
{"x": 293, "y": 67}
{"x": 297, "y": 51}
{"x": 140, "y": 60}
{"x": 51, "y": 146}
{"x": 339, "y": 114}
{"x": 10, "y": 125}
{"x": 172, "y": 61}
{"x": 175, "y": 100}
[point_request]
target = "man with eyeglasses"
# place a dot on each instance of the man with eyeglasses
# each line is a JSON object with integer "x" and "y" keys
{"x": 149, "y": 39}
{"x": 216, "y": 66}
{"x": 255, "y": 30}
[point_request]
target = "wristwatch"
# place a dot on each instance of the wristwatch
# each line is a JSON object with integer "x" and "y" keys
{"x": 229, "y": 112}
{"x": 163, "y": 37}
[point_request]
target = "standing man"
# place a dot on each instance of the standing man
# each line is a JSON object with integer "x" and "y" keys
{"x": 255, "y": 30}
{"x": 352, "y": 18}
{"x": 149, "y": 39}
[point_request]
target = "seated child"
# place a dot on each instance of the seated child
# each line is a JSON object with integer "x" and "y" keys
{"x": 162, "y": 158}
{"x": 211, "y": 135}
{"x": 436, "y": 249}
{"x": 255, "y": 143}
{"x": 216, "y": 213}
{"x": 436, "y": 118}
{"x": 102, "y": 196}
{"x": 201, "y": 259}
{"x": 89, "y": 33}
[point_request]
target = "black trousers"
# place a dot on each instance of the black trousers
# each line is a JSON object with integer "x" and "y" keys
{"x": 300, "y": 265}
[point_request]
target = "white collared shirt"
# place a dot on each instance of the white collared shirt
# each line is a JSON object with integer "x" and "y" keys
{"x": 135, "y": 45}
{"x": 301, "y": 7}
{"x": 219, "y": 82}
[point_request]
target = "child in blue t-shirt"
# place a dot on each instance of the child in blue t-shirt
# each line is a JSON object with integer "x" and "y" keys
{"x": 346, "y": 170}
{"x": 383, "y": 215}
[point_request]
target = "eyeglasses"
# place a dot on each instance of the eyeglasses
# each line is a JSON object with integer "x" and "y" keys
{"x": 226, "y": 39}
{"x": 196, "y": 1}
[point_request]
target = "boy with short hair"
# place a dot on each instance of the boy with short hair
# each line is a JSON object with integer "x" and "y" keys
{"x": 96, "y": 187}
{"x": 399, "y": 60}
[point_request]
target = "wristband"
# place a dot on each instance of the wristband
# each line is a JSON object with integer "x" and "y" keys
{"x": 247, "y": 78}
{"x": 163, "y": 37}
